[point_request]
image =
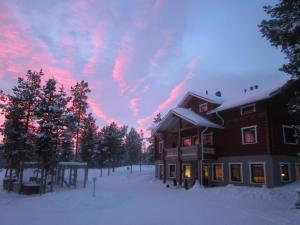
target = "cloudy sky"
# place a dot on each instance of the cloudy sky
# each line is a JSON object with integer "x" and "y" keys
{"x": 139, "y": 57}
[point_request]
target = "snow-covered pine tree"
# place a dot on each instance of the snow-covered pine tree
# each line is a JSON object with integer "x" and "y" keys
{"x": 132, "y": 146}
{"x": 79, "y": 106}
{"x": 18, "y": 128}
{"x": 88, "y": 139}
{"x": 112, "y": 141}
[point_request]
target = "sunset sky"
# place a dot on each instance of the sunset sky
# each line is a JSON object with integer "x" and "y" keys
{"x": 139, "y": 57}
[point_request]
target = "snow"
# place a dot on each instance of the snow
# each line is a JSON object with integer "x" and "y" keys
{"x": 194, "y": 118}
{"x": 140, "y": 199}
{"x": 206, "y": 97}
{"x": 246, "y": 98}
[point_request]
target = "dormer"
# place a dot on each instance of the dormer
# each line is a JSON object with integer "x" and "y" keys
{"x": 200, "y": 103}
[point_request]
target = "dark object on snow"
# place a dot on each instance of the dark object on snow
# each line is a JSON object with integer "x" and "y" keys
{"x": 297, "y": 204}
{"x": 186, "y": 184}
{"x": 168, "y": 186}
{"x": 175, "y": 182}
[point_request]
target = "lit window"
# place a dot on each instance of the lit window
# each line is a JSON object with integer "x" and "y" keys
{"x": 203, "y": 107}
{"x": 208, "y": 139}
{"x": 195, "y": 140}
{"x": 218, "y": 172}
{"x": 187, "y": 141}
{"x": 187, "y": 171}
{"x": 236, "y": 172}
{"x": 284, "y": 172}
{"x": 257, "y": 173}
{"x": 247, "y": 109}
{"x": 249, "y": 135}
{"x": 160, "y": 146}
{"x": 289, "y": 135}
{"x": 172, "y": 171}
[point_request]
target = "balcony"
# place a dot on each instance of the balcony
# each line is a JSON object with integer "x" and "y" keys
{"x": 192, "y": 152}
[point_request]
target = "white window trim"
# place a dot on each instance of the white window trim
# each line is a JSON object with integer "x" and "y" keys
{"x": 250, "y": 173}
{"x": 289, "y": 170}
{"x": 244, "y": 128}
{"x": 246, "y": 106}
{"x": 186, "y": 164}
{"x": 160, "y": 150}
{"x": 283, "y": 133}
{"x": 200, "y": 105}
{"x": 213, "y": 172}
{"x": 242, "y": 175}
{"x": 296, "y": 171}
{"x": 172, "y": 164}
{"x": 210, "y": 133}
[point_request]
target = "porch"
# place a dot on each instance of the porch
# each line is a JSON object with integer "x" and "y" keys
{"x": 192, "y": 152}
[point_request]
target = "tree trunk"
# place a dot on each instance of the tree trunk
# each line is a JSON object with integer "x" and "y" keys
{"x": 130, "y": 168}
{"x": 108, "y": 171}
{"x": 101, "y": 171}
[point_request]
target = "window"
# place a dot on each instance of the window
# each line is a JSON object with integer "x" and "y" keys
{"x": 249, "y": 135}
{"x": 161, "y": 171}
{"x": 186, "y": 170}
{"x": 186, "y": 141}
{"x": 172, "y": 170}
{"x": 247, "y": 109}
{"x": 218, "y": 172}
{"x": 289, "y": 135}
{"x": 208, "y": 139}
{"x": 235, "y": 172}
{"x": 257, "y": 173}
{"x": 195, "y": 140}
{"x": 160, "y": 146}
{"x": 285, "y": 172}
{"x": 203, "y": 107}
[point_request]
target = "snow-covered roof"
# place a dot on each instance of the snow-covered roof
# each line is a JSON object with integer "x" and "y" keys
{"x": 188, "y": 116}
{"x": 206, "y": 97}
{"x": 247, "y": 98}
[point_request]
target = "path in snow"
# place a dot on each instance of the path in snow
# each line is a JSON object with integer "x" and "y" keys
{"x": 139, "y": 199}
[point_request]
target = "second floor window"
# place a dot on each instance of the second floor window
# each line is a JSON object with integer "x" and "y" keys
{"x": 249, "y": 135}
{"x": 289, "y": 135}
{"x": 186, "y": 141}
{"x": 208, "y": 139}
{"x": 203, "y": 107}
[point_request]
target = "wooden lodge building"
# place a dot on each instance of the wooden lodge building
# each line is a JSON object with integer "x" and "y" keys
{"x": 248, "y": 140}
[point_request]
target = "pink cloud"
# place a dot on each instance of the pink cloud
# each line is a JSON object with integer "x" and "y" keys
{"x": 133, "y": 106}
{"x": 173, "y": 94}
{"x": 122, "y": 62}
{"x": 97, "y": 43}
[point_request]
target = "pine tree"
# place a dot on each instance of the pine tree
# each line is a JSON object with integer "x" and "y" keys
{"x": 112, "y": 141}
{"x": 283, "y": 30}
{"x": 88, "y": 139}
{"x": 79, "y": 106}
{"x": 133, "y": 146}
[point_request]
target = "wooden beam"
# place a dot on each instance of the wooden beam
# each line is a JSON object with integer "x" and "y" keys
{"x": 179, "y": 151}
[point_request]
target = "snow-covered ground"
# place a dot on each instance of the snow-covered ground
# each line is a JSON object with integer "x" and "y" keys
{"x": 139, "y": 199}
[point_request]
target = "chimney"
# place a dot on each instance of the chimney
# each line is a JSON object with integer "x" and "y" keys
{"x": 206, "y": 92}
{"x": 218, "y": 94}
{"x": 245, "y": 90}
{"x": 256, "y": 86}
{"x": 251, "y": 88}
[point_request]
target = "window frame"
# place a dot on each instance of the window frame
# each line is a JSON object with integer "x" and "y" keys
{"x": 210, "y": 133}
{"x": 203, "y": 104}
{"x": 284, "y": 136}
{"x": 289, "y": 171}
{"x": 243, "y": 138}
{"x": 169, "y": 165}
{"x": 186, "y": 164}
{"x": 250, "y": 173}
{"x": 246, "y": 106}
{"x": 182, "y": 141}
{"x": 213, "y": 172}
{"x": 241, "y": 170}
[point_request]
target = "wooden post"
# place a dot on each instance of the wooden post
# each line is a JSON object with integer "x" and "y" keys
{"x": 21, "y": 176}
{"x": 63, "y": 177}
{"x": 164, "y": 159}
{"x": 179, "y": 151}
{"x": 70, "y": 176}
{"x": 85, "y": 177}
{"x": 75, "y": 177}
{"x": 199, "y": 169}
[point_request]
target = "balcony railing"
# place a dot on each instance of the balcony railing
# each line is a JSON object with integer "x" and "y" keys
{"x": 187, "y": 152}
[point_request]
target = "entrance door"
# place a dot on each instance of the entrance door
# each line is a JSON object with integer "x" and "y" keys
{"x": 297, "y": 171}
{"x": 161, "y": 171}
{"x": 205, "y": 174}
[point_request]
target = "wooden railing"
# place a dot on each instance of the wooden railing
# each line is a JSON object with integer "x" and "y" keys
{"x": 187, "y": 152}
{"x": 171, "y": 153}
